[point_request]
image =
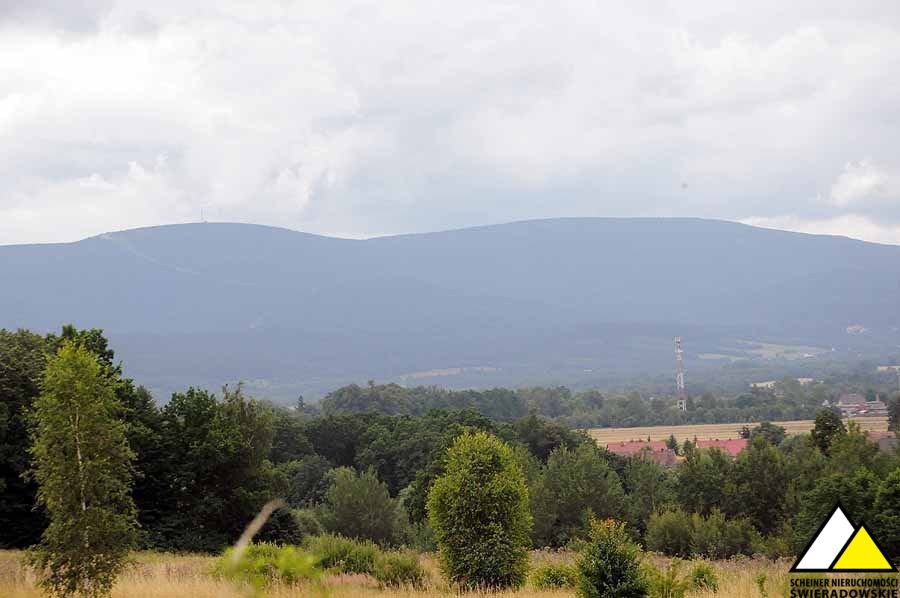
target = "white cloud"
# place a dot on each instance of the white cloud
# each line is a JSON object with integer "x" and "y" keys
{"x": 366, "y": 117}
{"x": 864, "y": 183}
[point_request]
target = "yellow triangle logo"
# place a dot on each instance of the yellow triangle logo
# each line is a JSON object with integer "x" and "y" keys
{"x": 861, "y": 553}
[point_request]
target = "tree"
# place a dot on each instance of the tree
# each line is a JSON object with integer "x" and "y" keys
{"x": 22, "y": 360}
{"x": 359, "y": 506}
{"x": 771, "y": 432}
{"x": 701, "y": 479}
{"x": 758, "y": 486}
{"x": 894, "y": 414}
{"x": 827, "y": 427}
{"x": 82, "y": 466}
{"x": 608, "y": 566}
{"x": 479, "y": 512}
{"x": 573, "y": 484}
{"x": 887, "y": 518}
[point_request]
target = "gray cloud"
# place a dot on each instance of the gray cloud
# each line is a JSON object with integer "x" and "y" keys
{"x": 366, "y": 118}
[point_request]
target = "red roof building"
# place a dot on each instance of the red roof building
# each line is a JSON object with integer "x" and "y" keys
{"x": 657, "y": 450}
{"x": 732, "y": 446}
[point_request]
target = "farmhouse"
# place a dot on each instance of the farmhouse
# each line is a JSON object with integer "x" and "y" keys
{"x": 732, "y": 446}
{"x": 855, "y": 405}
{"x": 657, "y": 450}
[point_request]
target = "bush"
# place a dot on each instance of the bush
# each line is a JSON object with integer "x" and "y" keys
{"x": 675, "y": 533}
{"x": 308, "y": 523}
{"x": 343, "y": 554}
{"x": 359, "y": 506}
{"x": 479, "y": 512}
{"x": 668, "y": 583}
{"x": 550, "y": 576}
{"x": 398, "y": 569}
{"x": 261, "y": 565}
{"x": 703, "y": 578}
{"x": 670, "y": 533}
{"x": 608, "y": 566}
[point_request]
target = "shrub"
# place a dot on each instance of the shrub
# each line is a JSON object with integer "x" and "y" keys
{"x": 343, "y": 554}
{"x": 670, "y": 533}
{"x": 608, "y": 566}
{"x": 308, "y": 523}
{"x": 703, "y": 578}
{"x": 550, "y": 576}
{"x": 359, "y": 506}
{"x": 261, "y": 565}
{"x": 668, "y": 583}
{"x": 479, "y": 512}
{"x": 399, "y": 568}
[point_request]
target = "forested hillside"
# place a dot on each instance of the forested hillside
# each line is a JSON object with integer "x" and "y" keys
{"x": 580, "y": 301}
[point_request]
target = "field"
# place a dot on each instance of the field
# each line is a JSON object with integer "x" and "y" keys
{"x": 604, "y": 436}
{"x": 169, "y": 576}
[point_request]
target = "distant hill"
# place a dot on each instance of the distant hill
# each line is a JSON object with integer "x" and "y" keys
{"x": 547, "y": 301}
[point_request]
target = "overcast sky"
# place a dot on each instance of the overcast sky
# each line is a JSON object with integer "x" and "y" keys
{"x": 367, "y": 118}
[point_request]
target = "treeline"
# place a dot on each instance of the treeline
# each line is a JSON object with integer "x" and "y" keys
{"x": 204, "y": 464}
{"x": 585, "y": 409}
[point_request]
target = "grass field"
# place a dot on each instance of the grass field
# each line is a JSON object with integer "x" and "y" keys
{"x": 169, "y": 576}
{"x": 604, "y": 436}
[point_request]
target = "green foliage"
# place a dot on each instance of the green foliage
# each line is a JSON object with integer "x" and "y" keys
{"x": 670, "y": 532}
{"x": 701, "y": 479}
{"x": 704, "y": 578}
{"x": 759, "y": 486}
{"x": 359, "y": 506}
{"x": 773, "y": 433}
{"x": 82, "y": 466}
{"x": 574, "y": 483}
{"x": 343, "y": 554}
{"x": 887, "y": 518}
{"x": 307, "y": 480}
{"x": 399, "y": 568}
{"x": 22, "y": 360}
{"x": 649, "y": 487}
{"x": 263, "y": 565}
{"x": 668, "y": 583}
{"x": 608, "y": 566}
{"x": 828, "y": 426}
{"x": 479, "y": 512}
{"x": 218, "y": 474}
{"x": 676, "y": 533}
{"x": 550, "y": 576}
{"x": 308, "y": 522}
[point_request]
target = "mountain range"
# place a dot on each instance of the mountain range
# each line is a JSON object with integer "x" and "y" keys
{"x": 575, "y": 301}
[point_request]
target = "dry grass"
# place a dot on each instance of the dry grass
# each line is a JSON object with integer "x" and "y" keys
{"x": 156, "y": 575}
{"x": 604, "y": 436}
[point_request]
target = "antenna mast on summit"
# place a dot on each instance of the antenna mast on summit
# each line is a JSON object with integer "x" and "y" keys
{"x": 679, "y": 376}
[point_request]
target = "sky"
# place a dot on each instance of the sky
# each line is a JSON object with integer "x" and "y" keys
{"x": 359, "y": 119}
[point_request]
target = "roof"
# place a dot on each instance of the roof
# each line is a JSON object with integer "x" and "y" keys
{"x": 732, "y": 446}
{"x": 635, "y": 446}
{"x": 851, "y": 399}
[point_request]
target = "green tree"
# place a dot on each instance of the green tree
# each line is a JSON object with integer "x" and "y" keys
{"x": 758, "y": 486}
{"x": 887, "y": 517}
{"x": 479, "y": 512}
{"x": 701, "y": 479}
{"x": 22, "y": 360}
{"x": 608, "y": 566}
{"x": 82, "y": 466}
{"x": 573, "y": 484}
{"x": 773, "y": 433}
{"x": 828, "y": 426}
{"x": 359, "y": 506}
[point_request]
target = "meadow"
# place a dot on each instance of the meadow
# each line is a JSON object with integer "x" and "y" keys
{"x": 604, "y": 436}
{"x": 162, "y": 575}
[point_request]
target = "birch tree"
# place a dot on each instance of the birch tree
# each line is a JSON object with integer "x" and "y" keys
{"x": 82, "y": 464}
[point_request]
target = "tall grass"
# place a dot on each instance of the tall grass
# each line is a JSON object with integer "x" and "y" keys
{"x": 157, "y": 575}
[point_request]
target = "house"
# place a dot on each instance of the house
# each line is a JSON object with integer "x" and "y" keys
{"x": 855, "y": 405}
{"x": 656, "y": 450}
{"x": 731, "y": 446}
